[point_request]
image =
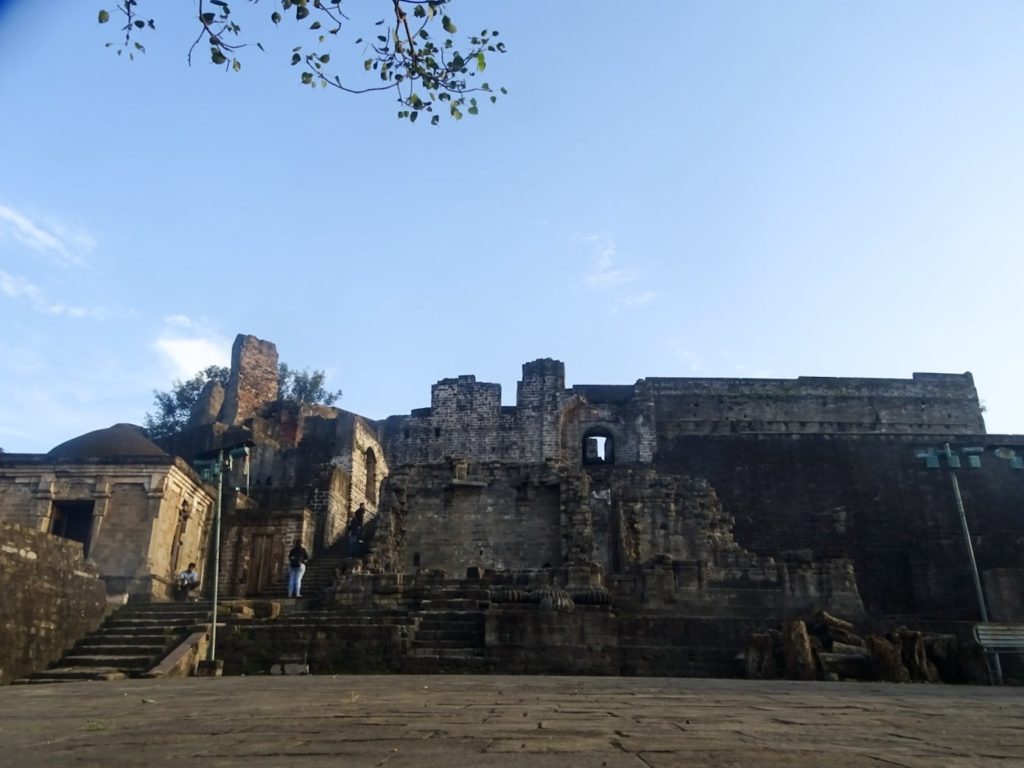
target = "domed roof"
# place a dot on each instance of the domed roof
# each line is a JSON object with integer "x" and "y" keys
{"x": 118, "y": 440}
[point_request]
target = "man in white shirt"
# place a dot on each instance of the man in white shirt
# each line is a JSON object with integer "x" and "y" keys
{"x": 187, "y": 581}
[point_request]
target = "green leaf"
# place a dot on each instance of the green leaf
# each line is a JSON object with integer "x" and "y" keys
{"x": 435, "y": 119}
{"x": 481, "y": 64}
{"x": 236, "y": 65}
{"x": 301, "y": 12}
{"x": 325, "y": 58}
{"x": 275, "y": 17}
{"x": 104, "y": 17}
{"x": 449, "y": 27}
{"x": 307, "y": 78}
{"x": 207, "y": 18}
{"x": 368, "y": 64}
{"x": 413, "y": 115}
{"x": 296, "y": 59}
{"x": 217, "y": 57}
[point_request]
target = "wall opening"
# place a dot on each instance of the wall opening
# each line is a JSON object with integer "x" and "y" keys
{"x": 371, "y": 476}
{"x": 598, "y": 446}
{"x": 73, "y": 520}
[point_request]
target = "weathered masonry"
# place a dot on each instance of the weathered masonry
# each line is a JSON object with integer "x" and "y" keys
{"x": 675, "y": 514}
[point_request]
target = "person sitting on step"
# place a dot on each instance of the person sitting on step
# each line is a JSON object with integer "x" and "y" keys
{"x": 187, "y": 582}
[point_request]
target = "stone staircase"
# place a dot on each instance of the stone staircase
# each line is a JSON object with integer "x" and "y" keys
{"x": 130, "y": 643}
{"x": 450, "y": 629}
{"x": 319, "y": 574}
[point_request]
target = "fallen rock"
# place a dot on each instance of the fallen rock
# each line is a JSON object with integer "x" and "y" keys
{"x": 759, "y": 658}
{"x": 886, "y": 660}
{"x": 800, "y": 664}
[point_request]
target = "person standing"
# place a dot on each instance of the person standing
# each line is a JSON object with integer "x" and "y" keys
{"x": 297, "y": 559}
{"x": 355, "y": 531}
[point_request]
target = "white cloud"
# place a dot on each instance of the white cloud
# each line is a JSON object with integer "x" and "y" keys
{"x": 182, "y": 321}
{"x": 65, "y": 246}
{"x": 635, "y": 300}
{"x": 189, "y": 346}
{"x": 16, "y": 287}
{"x": 604, "y": 271}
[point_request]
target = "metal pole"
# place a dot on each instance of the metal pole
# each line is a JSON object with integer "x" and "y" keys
{"x": 212, "y": 654}
{"x": 970, "y": 554}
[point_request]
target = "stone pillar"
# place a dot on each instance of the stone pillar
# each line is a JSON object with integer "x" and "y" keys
{"x": 101, "y": 502}
{"x": 253, "y": 380}
{"x": 208, "y": 406}
{"x": 42, "y": 501}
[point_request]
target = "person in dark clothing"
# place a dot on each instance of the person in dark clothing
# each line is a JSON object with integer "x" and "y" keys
{"x": 297, "y": 559}
{"x": 355, "y": 531}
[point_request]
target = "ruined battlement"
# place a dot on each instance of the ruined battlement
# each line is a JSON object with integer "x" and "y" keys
{"x": 466, "y": 419}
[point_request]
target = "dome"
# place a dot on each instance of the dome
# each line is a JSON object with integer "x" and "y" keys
{"x": 118, "y": 440}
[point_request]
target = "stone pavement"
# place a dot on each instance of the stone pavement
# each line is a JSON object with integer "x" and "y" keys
{"x": 534, "y": 722}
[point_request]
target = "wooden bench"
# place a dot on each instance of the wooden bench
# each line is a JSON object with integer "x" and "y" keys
{"x": 1000, "y": 638}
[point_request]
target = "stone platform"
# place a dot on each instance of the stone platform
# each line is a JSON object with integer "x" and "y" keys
{"x": 466, "y": 721}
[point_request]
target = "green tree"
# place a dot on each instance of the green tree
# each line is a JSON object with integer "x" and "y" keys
{"x": 174, "y": 406}
{"x": 413, "y": 51}
{"x": 304, "y": 387}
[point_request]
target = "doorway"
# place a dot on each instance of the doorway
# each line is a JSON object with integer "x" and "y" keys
{"x": 73, "y": 520}
{"x": 261, "y": 563}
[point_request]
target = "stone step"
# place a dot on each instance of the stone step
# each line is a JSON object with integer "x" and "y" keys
{"x": 170, "y": 605}
{"x": 160, "y": 616}
{"x": 147, "y": 622}
{"x": 439, "y": 644}
{"x": 119, "y": 662}
{"x": 451, "y": 617}
{"x": 72, "y": 674}
{"x": 118, "y": 649}
{"x": 466, "y": 636}
{"x": 450, "y": 626}
{"x": 449, "y": 605}
{"x": 130, "y": 636}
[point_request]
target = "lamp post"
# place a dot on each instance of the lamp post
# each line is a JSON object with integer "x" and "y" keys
{"x": 210, "y": 464}
{"x": 932, "y": 456}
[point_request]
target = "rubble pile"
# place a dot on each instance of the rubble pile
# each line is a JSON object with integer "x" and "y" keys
{"x": 826, "y": 647}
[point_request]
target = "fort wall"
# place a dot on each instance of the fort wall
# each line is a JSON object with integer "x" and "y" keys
{"x": 51, "y": 598}
{"x": 549, "y": 422}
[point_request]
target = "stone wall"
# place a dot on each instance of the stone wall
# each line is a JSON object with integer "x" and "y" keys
{"x": 928, "y": 403}
{"x": 868, "y": 499}
{"x": 253, "y": 380}
{"x": 452, "y": 517}
{"x": 148, "y": 516}
{"x": 51, "y": 599}
{"x": 466, "y": 420}
{"x": 255, "y": 541}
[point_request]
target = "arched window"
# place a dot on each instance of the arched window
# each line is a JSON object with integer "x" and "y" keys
{"x": 598, "y": 446}
{"x": 371, "y": 476}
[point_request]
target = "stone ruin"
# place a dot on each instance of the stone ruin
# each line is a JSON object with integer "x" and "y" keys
{"x": 649, "y": 528}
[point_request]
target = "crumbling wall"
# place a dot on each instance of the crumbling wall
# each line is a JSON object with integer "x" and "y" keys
{"x": 868, "y": 499}
{"x": 928, "y": 403}
{"x": 52, "y": 597}
{"x": 455, "y": 516}
{"x": 253, "y": 380}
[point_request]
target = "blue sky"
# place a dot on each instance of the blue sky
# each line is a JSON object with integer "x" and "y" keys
{"x": 671, "y": 189}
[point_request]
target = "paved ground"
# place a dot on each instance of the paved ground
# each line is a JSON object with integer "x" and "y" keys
{"x": 534, "y": 722}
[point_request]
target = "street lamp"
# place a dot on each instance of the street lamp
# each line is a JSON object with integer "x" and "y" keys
{"x": 932, "y": 458}
{"x": 213, "y": 464}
